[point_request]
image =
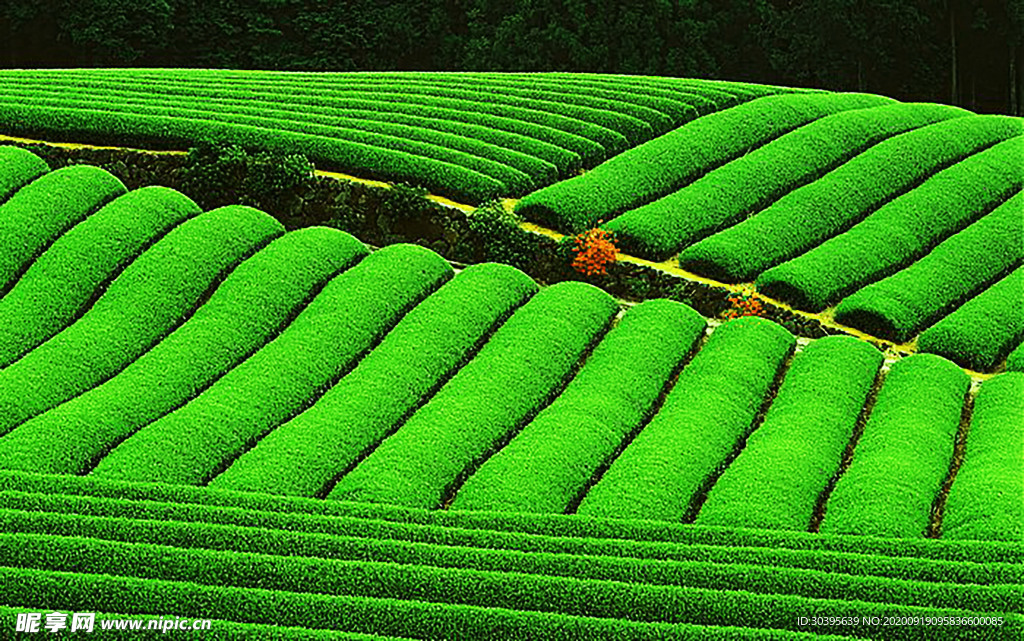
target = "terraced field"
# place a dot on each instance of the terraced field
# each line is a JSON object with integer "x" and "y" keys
{"x": 472, "y": 136}
{"x": 204, "y": 416}
{"x": 899, "y": 220}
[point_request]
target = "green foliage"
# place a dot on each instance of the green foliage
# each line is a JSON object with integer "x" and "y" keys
{"x": 810, "y": 215}
{"x": 957, "y": 269}
{"x": 549, "y": 462}
{"x": 178, "y": 505}
{"x": 347, "y": 317}
{"x": 38, "y": 213}
{"x": 17, "y": 169}
{"x": 500, "y": 236}
{"x": 61, "y": 283}
{"x": 403, "y": 200}
{"x": 711, "y": 407}
{"x": 669, "y": 162}
{"x": 982, "y": 331}
{"x": 142, "y": 305}
{"x": 740, "y": 188}
{"x": 903, "y": 230}
{"x": 1015, "y": 361}
{"x": 903, "y": 455}
{"x": 301, "y": 456}
{"x": 517, "y": 371}
{"x": 256, "y": 301}
{"x": 985, "y": 499}
{"x": 788, "y": 461}
{"x": 219, "y": 175}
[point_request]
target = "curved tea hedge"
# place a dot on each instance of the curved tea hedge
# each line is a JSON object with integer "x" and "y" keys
{"x": 17, "y": 169}
{"x": 514, "y": 374}
{"x": 902, "y": 230}
{"x": 725, "y": 196}
{"x": 984, "y": 501}
{"x": 902, "y": 458}
{"x": 351, "y": 313}
{"x": 809, "y": 216}
{"x": 144, "y": 303}
{"x": 548, "y": 464}
{"x": 38, "y": 213}
{"x": 303, "y": 455}
{"x": 789, "y": 460}
{"x": 74, "y": 269}
{"x": 669, "y": 162}
{"x": 984, "y": 329}
{"x": 256, "y": 301}
{"x": 960, "y": 267}
{"x": 708, "y": 412}
{"x": 472, "y": 136}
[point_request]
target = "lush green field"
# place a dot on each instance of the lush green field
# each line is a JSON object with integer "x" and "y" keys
{"x": 296, "y": 435}
{"x": 472, "y": 136}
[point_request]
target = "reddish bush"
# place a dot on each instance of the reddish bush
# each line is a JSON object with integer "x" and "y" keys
{"x": 744, "y": 304}
{"x": 594, "y": 250}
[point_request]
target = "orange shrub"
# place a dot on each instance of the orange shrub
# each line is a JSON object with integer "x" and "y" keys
{"x": 594, "y": 250}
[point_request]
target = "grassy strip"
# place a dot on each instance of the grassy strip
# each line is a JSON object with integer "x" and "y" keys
{"x": 255, "y": 302}
{"x": 197, "y": 441}
{"x": 902, "y": 230}
{"x": 733, "y": 192}
{"x": 17, "y": 169}
{"x": 776, "y": 480}
{"x": 439, "y": 146}
{"x": 705, "y": 416}
{"x": 580, "y": 106}
{"x": 1015, "y": 361}
{"x": 985, "y": 499}
{"x": 220, "y": 630}
{"x": 429, "y": 344}
{"x": 692, "y": 565}
{"x": 809, "y": 216}
{"x": 516, "y": 371}
{"x": 983, "y": 330}
{"x": 903, "y": 456}
{"x": 329, "y": 152}
{"x": 143, "y": 304}
{"x": 981, "y": 562}
{"x": 38, "y": 213}
{"x": 701, "y": 611}
{"x": 548, "y": 464}
{"x": 60, "y": 284}
{"x": 562, "y": 532}
{"x": 515, "y": 130}
{"x": 668, "y": 162}
{"x": 960, "y": 267}
{"x": 615, "y": 599}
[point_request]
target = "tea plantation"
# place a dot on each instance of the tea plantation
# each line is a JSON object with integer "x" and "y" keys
{"x": 298, "y": 435}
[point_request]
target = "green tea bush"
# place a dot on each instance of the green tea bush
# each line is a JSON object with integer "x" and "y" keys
{"x": 960, "y": 267}
{"x": 517, "y": 372}
{"x": 902, "y": 230}
{"x": 17, "y": 169}
{"x": 740, "y": 188}
{"x": 346, "y": 319}
{"x": 62, "y": 282}
{"x": 256, "y": 301}
{"x": 426, "y": 347}
{"x": 982, "y": 331}
{"x": 147, "y": 301}
{"x": 500, "y": 236}
{"x": 810, "y": 215}
{"x": 548, "y": 464}
{"x": 38, "y": 213}
{"x": 673, "y": 160}
{"x": 901, "y": 460}
{"x": 985, "y": 498}
{"x": 705, "y": 416}
{"x": 789, "y": 460}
